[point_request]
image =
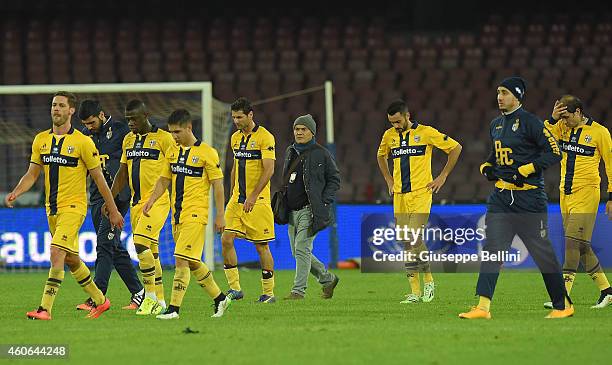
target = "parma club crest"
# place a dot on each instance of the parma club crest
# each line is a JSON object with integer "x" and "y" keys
{"x": 588, "y": 138}
{"x": 109, "y": 133}
{"x": 515, "y": 126}
{"x": 70, "y": 149}
{"x": 152, "y": 143}
{"x": 194, "y": 159}
{"x": 417, "y": 139}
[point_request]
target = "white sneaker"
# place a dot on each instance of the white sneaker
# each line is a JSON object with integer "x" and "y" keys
{"x": 171, "y": 315}
{"x": 222, "y": 307}
{"x": 428, "y": 292}
{"x": 548, "y": 305}
{"x": 603, "y": 302}
{"x": 410, "y": 298}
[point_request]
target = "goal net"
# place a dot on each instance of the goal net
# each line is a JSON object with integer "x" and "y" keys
{"x": 25, "y": 111}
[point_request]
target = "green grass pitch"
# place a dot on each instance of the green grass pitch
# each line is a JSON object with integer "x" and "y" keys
{"x": 363, "y": 323}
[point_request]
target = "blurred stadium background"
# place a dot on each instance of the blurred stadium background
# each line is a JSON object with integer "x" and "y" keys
{"x": 444, "y": 59}
{"x": 446, "y": 64}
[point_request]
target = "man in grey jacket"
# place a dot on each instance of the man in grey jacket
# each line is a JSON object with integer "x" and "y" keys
{"x": 312, "y": 179}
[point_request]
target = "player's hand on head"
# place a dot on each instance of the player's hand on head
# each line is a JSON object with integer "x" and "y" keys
{"x": 219, "y": 224}
{"x": 558, "y": 109}
{"x": 9, "y": 199}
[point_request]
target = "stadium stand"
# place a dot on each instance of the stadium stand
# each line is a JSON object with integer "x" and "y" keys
{"x": 448, "y": 80}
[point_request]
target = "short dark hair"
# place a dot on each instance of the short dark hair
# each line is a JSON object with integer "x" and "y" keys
{"x": 72, "y": 99}
{"x": 242, "y": 104}
{"x": 572, "y": 103}
{"x": 135, "y": 104}
{"x": 89, "y": 108}
{"x": 180, "y": 117}
{"x": 398, "y": 106}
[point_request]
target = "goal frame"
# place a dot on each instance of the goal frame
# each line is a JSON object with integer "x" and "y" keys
{"x": 204, "y": 87}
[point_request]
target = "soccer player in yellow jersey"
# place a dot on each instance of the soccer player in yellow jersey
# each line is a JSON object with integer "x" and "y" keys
{"x": 66, "y": 156}
{"x": 249, "y": 214}
{"x": 409, "y": 145}
{"x": 192, "y": 168}
{"x": 145, "y": 150}
{"x": 584, "y": 143}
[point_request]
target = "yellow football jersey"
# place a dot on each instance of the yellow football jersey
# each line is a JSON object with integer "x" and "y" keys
{"x": 191, "y": 170}
{"x": 582, "y": 148}
{"x": 249, "y": 151}
{"x": 66, "y": 160}
{"x": 411, "y": 154}
{"x": 145, "y": 156}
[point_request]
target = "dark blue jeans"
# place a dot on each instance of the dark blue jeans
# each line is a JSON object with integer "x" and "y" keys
{"x": 111, "y": 252}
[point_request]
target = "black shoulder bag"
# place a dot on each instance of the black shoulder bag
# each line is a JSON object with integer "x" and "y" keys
{"x": 280, "y": 206}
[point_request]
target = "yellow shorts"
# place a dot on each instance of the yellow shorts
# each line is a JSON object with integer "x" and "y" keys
{"x": 189, "y": 240}
{"x": 412, "y": 209}
{"x": 579, "y": 211}
{"x": 256, "y": 226}
{"x": 146, "y": 229}
{"x": 65, "y": 231}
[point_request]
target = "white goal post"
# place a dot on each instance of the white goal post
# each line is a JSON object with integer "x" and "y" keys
{"x": 208, "y": 103}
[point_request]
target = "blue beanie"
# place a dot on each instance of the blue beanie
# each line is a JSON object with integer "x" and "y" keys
{"x": 516, "y": 85}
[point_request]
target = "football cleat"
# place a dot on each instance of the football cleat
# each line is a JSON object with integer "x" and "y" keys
{"x": 561, "y": 313}
{"x": 428, "y": 292}
{"x": 97, "y": 310}
{"x": 40, "y": 314}
{"x": 266, "y": 299}
{"x": 86, "y": 306}
{"x": 171, "y": 315}
{"x": 475, "y": 313}
{"x": 604, "y": 301}
{"x": 149, "y": 306}
{"x": 235, "y": 294}
{"x": 410, "y": 298}
{"x": 548, "y": 305}
{"x": 222, "y": 306}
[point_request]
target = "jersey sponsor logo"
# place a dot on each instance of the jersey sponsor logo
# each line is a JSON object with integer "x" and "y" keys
{"x": 408, "y": 151}
{"x": 145, "y": 153}
{"x": 502, "y": 154}
{"x": 56, "y": 159}
{"x": 551, "y": 141}
{"x": 577, "y": 149}
{"x": 181, "y": 169}
{"x": 247, "y": 154}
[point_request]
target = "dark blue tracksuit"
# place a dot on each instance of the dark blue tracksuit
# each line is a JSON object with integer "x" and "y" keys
{"x": 109, "y": 249}
{"x": 520, "y": 138}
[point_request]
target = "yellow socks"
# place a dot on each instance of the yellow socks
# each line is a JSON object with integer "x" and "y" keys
{"x": 233, "y": 278}
{"x": 484, "y": 303}
{"x": 179, "y": 285}
{"x": 599, "y": 277}
{"x": 159, "y": 284}
{"x": 205, "y": 278}
{"x": 267, "y": 282}
{"x": 147, "y": 268}
{"x": 54, "y": 281}
{"x": 415, "y": 283}
{"x": 568, "y": 278}
{"x": 427, "y": 277}
{"x": 83, "y": 277}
